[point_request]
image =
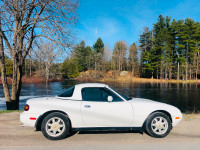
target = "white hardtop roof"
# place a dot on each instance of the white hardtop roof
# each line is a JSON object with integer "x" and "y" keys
{"x": 91, "y": 85}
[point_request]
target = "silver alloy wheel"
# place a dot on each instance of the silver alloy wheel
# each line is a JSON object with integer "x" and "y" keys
{"x": 159, "y": 125}
{"x": 55, "y": 126}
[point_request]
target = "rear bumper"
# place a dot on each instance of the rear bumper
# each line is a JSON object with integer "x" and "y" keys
{"x": 28, "y": 119}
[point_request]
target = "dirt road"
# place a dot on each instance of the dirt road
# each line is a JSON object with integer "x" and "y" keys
{"x": 186, "y": 136}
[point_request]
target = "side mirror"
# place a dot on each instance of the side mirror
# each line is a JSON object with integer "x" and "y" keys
{"x": 110, "y": 98}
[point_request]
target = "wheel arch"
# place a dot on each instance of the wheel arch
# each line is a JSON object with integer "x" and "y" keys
{"x": 41, "y": 118}
{"x": 162, "y": 111}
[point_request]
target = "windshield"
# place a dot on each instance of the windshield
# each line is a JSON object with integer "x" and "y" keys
{"x": 125, "y": 97}
{"x": 68, "y": 93}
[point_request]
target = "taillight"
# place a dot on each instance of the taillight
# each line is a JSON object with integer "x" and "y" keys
{"x": 26, "y": 107}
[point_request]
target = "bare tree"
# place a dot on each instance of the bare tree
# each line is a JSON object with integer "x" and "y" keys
{"x": 107, "y": 53}
{"x": 50, "y": 53}
{"x": 119, "y": 53}
{"x": 22, "y": 22}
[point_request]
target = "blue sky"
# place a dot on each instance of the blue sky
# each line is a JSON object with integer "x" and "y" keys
{"x": 115, "y": 20}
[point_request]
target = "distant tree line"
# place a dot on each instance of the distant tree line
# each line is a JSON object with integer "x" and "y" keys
{"x": 100, "y": 58}
{"x": 170, "y": 50}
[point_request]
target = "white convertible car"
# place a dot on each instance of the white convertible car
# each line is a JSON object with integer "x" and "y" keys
{"x": 95, "y": 106}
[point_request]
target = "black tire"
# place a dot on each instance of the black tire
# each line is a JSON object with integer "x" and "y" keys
{"x": 55, "y": 126}
{"x": 158, "y": 125}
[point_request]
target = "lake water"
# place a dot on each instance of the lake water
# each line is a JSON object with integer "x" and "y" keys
{"x": 184, "y": 96}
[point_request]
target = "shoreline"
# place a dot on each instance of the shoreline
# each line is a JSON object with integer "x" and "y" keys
{"x": 33, "y": 80}
{"x": 139, "y": 80}
{"x": 37, "y": 80}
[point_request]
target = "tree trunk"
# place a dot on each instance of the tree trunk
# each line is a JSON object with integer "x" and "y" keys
{"x": 119, "y": 65}
{"x": 3, "y": 73}
{"x": 170, "y": 73}
{"x": 47, "y": 72}
{"x": 157, "y": 73}
{"x": 30, "y": 65}
{"x": 25, "y": 67}
{"x": 16, "y": 85}
{"x": 95, "y": 65}
{"x": 197, "y": 69}
{"x": 178, "y": 72}
{"x": 152, "y": 75}
{"x": 186, "y": 71}
{"x": 133, "y": 71}
{"x": 186, "y": 62}
{"x": 165, "y": 73}
{"x": 161, "y": 72}
{"x": 196, "y": 74}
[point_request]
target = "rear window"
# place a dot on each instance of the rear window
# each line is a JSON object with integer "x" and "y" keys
{"x": 68, "y": 93}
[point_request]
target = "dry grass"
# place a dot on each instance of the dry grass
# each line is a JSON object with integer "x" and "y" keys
{"x": 26, "y": 79}
{"x": 33, "y": 79}
{"x": 115, "y": 76}
{"x": 146, "y": 80}
{"x": 9, "y": 80}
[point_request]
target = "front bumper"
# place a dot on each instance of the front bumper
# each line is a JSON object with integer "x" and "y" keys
{"x": 176, "y": 119}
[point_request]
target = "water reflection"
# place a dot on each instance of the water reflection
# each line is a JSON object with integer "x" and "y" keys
{"x": 184, "y": 96}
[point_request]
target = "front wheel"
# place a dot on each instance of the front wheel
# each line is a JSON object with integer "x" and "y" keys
{"x": 158, "y": 125}
{"x": 55, "y": 126}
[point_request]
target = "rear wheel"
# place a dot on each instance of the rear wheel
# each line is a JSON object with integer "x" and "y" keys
{"x": 158, "y": 125}
{"x": 55, "y": 126}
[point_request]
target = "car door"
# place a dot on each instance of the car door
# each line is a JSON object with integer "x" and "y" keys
{"x": 98, "y": 112}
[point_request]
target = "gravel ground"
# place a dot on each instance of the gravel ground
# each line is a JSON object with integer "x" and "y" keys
{"x": 186, "y": 136}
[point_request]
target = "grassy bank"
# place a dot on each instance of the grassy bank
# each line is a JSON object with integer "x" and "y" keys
{"x": 30, "y": 80}
{"x": 9, "y": 111}
{"x": 123, "y": 76}
{"x": 145, "y": 80}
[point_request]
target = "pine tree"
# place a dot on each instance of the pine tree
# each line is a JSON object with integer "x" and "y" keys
{"x": 145, "y": 47}
{"x": 98, "y": 54}
{"x": 82, "y": 55}
{"x": 157, "y": 59}
{"x": 98, "y": 46}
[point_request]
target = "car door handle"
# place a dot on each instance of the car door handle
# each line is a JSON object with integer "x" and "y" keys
{"x": 87, "y": 106}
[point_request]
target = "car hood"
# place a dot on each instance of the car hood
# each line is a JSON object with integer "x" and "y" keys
{"x": 152, "y": 105}
{"x": 143, "y": 100}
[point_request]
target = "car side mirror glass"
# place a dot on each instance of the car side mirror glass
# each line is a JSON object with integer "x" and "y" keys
{"x": 110, "y": 98}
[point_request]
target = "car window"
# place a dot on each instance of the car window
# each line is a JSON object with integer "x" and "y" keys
{"x": 68, "y": 93}
{"x": 115, "y": 97}
{"x": 93, "y": 94}
{"x": 126, "y": 98}
{"x": 98, "y": 94}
